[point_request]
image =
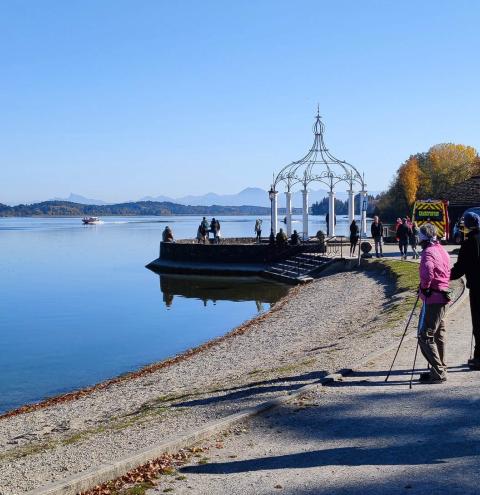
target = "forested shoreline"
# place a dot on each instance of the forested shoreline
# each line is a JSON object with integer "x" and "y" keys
{"x": 140, "y": 208}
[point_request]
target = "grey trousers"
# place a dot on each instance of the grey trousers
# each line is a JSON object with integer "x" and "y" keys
{"x": 431, "y": 339}
{"x": 378, "y": 246}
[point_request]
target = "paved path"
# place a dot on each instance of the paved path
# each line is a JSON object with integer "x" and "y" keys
{"x": 358, "y": 436}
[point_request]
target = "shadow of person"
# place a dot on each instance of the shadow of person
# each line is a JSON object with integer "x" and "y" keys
{"x": 408, "y": 454}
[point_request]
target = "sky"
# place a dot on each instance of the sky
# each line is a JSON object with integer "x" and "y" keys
{"x": 117, "y": 99}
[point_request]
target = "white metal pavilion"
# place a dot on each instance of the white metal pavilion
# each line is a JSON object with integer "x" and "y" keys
{"x": 318, "y": 165}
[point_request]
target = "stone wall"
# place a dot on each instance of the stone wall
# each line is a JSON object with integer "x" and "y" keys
{"x": 224, "y": 253}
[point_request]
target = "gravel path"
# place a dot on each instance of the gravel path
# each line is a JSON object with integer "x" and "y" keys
{"x": 357, "y": 436}
{"x": 326, "y": 325}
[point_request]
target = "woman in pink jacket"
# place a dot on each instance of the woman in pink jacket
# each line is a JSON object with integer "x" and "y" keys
{"x": 434, "y": 281}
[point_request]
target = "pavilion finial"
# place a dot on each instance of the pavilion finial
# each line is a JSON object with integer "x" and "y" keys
{"x": 318, "y": 127}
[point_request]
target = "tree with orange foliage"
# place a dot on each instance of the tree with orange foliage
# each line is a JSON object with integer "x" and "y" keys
{"x": 409, "y": 179}
{"x": 428, "y": 175}
{"x": 450, "y": 164}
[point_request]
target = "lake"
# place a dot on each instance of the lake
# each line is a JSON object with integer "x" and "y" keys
{"x": 78, "y": 306}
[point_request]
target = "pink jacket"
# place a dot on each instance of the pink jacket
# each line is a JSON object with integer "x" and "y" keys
{"x": 434, "y": 272}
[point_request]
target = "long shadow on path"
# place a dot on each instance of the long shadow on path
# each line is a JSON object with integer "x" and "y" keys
{"x": 428, "y": 427}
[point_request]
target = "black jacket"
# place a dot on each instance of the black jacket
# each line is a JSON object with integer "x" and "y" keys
{"x": 404, "y": 232}
{"x": 468, "y": 262}
{"x": 354, "y": 231}
{"x": 376, "y": 230}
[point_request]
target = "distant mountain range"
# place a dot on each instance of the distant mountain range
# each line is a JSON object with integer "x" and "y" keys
{"x": 248, "y": 198}
{"x": 76, "y": 198}
{"x": 254, "y": 196}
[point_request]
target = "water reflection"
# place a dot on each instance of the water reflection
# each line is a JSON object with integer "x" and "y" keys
{"x": 207, "y": 288}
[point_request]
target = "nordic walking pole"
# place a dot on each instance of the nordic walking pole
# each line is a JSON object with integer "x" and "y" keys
{"x": 420, "y": 326}
{"x": 471, "y": 346}
{"x": 413, "y": 367}
{"x": 403, "y": 336}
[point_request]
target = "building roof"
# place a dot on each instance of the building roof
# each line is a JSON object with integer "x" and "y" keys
{"x": 466, "y": 193}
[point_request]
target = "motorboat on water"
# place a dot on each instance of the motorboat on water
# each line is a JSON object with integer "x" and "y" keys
{"x": 91, "y": 220}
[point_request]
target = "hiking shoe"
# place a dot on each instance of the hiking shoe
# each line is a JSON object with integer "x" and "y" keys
{"x": 429, "y": 378}
{"x": 474, "y": 364}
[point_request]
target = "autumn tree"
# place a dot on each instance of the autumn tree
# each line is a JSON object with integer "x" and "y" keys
{"x": 450, "y": 164}
{"x": 428, "y": 175}
{"x": 409, "y": 179}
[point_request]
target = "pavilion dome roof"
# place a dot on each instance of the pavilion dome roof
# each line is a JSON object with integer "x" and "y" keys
{"x": 318, "y": 165}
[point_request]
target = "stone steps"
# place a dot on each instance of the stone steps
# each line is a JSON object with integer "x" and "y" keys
{"x": 297, "y": 269}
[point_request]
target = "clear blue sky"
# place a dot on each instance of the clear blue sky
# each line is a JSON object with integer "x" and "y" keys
{"x": 118, "y": 99}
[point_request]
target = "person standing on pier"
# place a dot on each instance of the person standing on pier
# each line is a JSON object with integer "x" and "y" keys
{"x": 258, "y": 229}
{"x": 354, "y": 236}
{"x": 468, "y": 264}
{"x": 213, "y": 229}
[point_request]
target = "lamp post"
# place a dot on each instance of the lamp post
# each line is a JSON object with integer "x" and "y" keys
{"x": 351, "y": 201}
{"x": 288, "y": 204}
{"x": 363, "y": 212}
{"x": 305, "y": 213}
{"x": 272, "y": 194}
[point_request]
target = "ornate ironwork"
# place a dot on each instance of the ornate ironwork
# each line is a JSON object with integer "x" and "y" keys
{"x": 318, "y": 165}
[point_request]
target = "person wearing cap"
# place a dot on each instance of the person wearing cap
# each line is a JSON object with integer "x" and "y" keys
{"x": 434, "y": 282}
{"x": 468, "y": 264}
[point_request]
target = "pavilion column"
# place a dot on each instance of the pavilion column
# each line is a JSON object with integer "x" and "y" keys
{"x": 363, "y": 209}
{"x": 273, "y": 210}
{"x": 305, "y": 214}
{"x": 331, "y": 213}
{"x": 288, "y": 203}
{"x": 351, "y": 205}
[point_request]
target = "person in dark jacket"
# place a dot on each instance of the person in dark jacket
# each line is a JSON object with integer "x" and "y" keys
{"x": 354, "y": 236}
{"x": 414, "y": 240}
{"x": 377, "y": 233}
{"x": 281, "y": 238}
{"x": 468, "y": 264}
{"x": 167, "y": 235}
{"x": 403, "y": 235}
{"x": 327, "y": 221}
{"x": 295, "y": 238}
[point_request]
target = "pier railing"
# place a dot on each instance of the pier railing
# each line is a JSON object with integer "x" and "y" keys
{"x": 335, "y": 245}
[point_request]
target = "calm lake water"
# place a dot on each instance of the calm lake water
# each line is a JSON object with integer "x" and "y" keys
{"x": 77, "y": 305}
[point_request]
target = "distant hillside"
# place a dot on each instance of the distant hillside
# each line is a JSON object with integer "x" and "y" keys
{"x": 150, "y": 208}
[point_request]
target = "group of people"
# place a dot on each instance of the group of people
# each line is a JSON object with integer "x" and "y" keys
{"x": 205, "y": 228}
{"x": 435, "y": 275}
{"x": 407, "y": 233}
{"x": 281, "y": 239}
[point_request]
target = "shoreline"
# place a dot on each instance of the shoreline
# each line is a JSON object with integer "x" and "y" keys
{"x": 321, "y": 326}
{"x": 149, "y": 368}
